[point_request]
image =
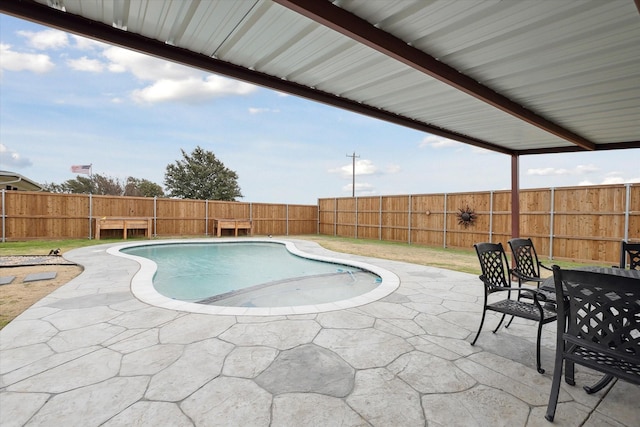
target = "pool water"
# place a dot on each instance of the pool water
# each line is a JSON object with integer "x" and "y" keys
{"x": 253, "y": 274}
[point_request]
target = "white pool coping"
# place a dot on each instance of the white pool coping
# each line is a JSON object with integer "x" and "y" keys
{"x": 143, "y": 289}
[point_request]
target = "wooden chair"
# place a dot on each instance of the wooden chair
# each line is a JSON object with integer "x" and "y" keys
{"x": 598, "y": 327}
{"x": 496, "y": 277}
{"x": 527, "y": 266}
{"x": 632, "y": 251}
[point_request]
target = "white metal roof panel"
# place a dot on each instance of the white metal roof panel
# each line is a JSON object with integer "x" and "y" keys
{"x": 574, "y": 62}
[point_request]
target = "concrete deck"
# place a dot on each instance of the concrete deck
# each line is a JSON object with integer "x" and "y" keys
{"x": 92, "y": 354}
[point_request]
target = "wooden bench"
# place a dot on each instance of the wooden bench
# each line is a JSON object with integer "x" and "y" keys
{"x": 123, "y": 224}
{"x": 220, "y": 224}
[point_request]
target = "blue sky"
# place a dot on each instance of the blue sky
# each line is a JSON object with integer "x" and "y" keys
{"x": 67, "y": 100}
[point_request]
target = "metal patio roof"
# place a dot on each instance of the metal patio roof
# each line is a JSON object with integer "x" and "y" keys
{"x": 517, "y": 77}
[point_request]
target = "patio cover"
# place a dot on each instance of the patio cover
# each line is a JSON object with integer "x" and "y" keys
{"x": 516, "y": 77}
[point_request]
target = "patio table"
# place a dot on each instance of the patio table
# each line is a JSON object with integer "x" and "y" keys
{"x": 549, "y": 285}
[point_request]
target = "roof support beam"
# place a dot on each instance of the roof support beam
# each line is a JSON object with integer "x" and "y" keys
{"x": 350, "y": 25}
{"x": 515, "y": 196}
{"x": 45, "y": 15}
{"x": 574, "y": 149}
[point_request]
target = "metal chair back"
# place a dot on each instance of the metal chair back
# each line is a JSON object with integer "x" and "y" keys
{"x": 494, "y": 265}
{"x": 631, "y": 251}
{"x": 525, "y": 257}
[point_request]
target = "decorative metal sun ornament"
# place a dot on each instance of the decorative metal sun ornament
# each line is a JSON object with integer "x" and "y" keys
{"x": 466, "y": 216}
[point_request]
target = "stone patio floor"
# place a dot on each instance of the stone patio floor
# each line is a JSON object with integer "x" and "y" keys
{"x": 92, "y": 354}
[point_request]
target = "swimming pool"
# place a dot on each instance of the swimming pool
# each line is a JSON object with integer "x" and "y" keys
{"x": 254, "y": 277}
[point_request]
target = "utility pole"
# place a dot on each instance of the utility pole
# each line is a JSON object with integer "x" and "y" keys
{"x": 353, "y": 181}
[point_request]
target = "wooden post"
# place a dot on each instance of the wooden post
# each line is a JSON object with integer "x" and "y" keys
{"x": 515, "y": 197}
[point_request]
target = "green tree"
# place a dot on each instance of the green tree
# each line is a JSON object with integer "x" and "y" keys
{"x": 78, "y": 185}
{"x": 142, "y": 188}
{"x": 201, "y": 176}
{"x": 105, "y": 185}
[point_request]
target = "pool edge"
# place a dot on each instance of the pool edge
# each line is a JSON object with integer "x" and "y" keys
{"x": 142, "y": 285}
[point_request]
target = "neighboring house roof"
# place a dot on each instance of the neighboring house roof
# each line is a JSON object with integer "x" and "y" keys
{"x": 15, "y": 181}
{"x": 516, "y": 77}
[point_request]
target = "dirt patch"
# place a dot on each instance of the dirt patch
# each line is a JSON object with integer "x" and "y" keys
{"x": 19, "y": 295}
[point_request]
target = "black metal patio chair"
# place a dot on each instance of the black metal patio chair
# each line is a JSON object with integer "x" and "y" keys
{"x": 496, "y": 277}
{"x": 598, "y": 327}
{"x": 527, "y": 267}
{"x": 631, "y": 251}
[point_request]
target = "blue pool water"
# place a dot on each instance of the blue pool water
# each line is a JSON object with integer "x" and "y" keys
{"x": 250, "y": 274}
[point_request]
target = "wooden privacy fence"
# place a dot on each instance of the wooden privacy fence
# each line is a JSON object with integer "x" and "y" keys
{"x": 37, "y": 215}
{"x": 575, "y": 223}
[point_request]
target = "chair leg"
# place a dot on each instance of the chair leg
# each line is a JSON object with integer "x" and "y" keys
{"x": 484, "y": 313}
{"x": 555, "y": 387}
{"x": 509, "y": 322}
{"x": 604, "y": 381}
{"x": 569, "y": 370}
{"x": 513, "y": 317}
{"x": 500, "y": 323}
{"x": 538, "y": 364}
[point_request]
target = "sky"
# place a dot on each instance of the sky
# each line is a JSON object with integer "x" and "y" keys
{"x": 67, "y": 100}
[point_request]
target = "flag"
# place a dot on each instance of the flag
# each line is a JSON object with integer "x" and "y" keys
{"x": 81, "y": 169}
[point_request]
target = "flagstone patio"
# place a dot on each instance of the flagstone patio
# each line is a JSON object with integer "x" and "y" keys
{"x": 92, "y": 354}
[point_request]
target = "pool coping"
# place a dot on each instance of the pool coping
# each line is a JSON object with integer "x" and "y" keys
{"x": 142, "y": 282}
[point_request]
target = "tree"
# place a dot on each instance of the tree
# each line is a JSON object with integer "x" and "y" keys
{"x": 142, "y": 187}
{"x": 104, "y": 185}
{"x": 201, "y": 176}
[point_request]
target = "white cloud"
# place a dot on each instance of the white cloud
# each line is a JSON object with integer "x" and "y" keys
{"x": 83, "y": 43}
{"x": 613, "y": 180}
{"x": 437, "y": 142}
{"x": 11, "y": 159}
{"x": 170, "y": 81}
{"x": 362, "y": 167}
{"x": 542, "y": 171}
{"x": 365, "y": 167}
{"x": 618, "y": 178}
{"x": 167, "y": 81}
{"x": 578, "y": 170}
{"x": 46, "y": 39}
{"x": 255, "y": 110}
{"x": 16, "y": 61}
{"x": 191, "y": 90}
{"x": 86, "y": 64}
{"x": 146, "y": 68}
